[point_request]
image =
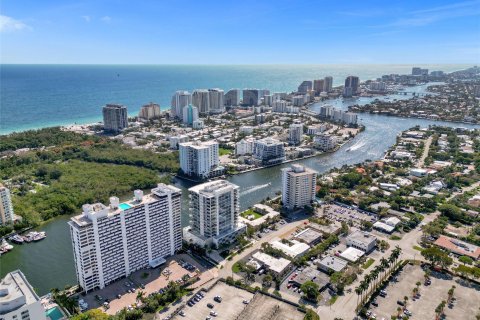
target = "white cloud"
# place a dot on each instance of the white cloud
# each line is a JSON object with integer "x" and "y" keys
{"x": 106, "y": 19}
{"x": 86, "y": 18}
{"x": 9, "y": 24}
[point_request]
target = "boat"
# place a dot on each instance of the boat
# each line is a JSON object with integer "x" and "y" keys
{"x": 5, "y": 246}
{"x": 17, "y": 239}
{"x": 39, "y": 236}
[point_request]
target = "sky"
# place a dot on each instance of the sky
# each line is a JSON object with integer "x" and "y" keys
{"x": 239, "y": 32}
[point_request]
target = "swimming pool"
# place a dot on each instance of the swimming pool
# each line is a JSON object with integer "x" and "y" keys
{"x": 124, "y": 206}
{"x": 54, "y": 314}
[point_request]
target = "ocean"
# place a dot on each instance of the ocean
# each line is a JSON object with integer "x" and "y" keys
{"x": 36, "y": 96}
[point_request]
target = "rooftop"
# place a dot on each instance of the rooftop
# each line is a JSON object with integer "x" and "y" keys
{"x": 15, "y": 291}
{"x": 100, "y": 210}
{"x": 333, "y": 263}
{"x": 363, "y": 237}
{"x": 277, "y": 265}
{"x": 458, "y": 247}
{"x": 352, "y": 254}
{"x": 309, "y": 236}
{"x": 213, "y": 187}
{"x": 296, "y": 249}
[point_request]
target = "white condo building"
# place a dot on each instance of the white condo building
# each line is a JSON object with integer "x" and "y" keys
{"x": 110, "y": 242}
{"x": 6, "y": 207}
{"x": 244, "y": 146}
{"x": 180, "y": 100}
{"x": 324, "y": 142}
{"x": 295, "y": 133}
{"x": 189, "y": 114}
{"x": 298, "y": 186}
{"x": 216, "y": 98}
{"x": 18, "y": 300}
{"x": 214, "y": 211}
{"x": 201, "y": 100}
{"x": 200, "y": 159}
{"x": 269, "y": 151}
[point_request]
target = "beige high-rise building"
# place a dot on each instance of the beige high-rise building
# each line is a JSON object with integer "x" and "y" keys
{"x": 149, "y": 111}
{"x": 298, "y": 186}
{"x": 6, "y": 208}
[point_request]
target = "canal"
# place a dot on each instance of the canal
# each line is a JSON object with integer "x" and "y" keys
{"x": 49, "y": 263}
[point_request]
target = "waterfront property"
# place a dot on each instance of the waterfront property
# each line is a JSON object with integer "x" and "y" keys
{"x": 110, "y": 242}
{"x": 214, "y": 213}
{"x": 298, "y": 186}
{"x": 18, "y": 299}
{"x": 6, "y": 208}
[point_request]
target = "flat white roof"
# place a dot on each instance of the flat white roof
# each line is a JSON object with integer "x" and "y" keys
{"x": 383, "y": 226}
{"x": 293, "y": 251}
{"x": 352, "y": 254}
{"x": 277, "y": 265}
{"x": 334, "y": 263}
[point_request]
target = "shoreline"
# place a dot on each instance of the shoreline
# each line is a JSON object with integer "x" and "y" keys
{"x": 409, "y": 117}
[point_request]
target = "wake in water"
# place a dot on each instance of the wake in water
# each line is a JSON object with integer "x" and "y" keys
{"x": 357, "y": 145}
{"x": 254, "y": 188}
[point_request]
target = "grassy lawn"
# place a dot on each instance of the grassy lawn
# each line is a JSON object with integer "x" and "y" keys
{"x": 224, "y": 151}
{"x": 368, "y": 263}
{"x": 236, "y": 267}
{"x": 417, "y": 248}
{"x": 394, "y": 237}
{"x": 245, "y": 214}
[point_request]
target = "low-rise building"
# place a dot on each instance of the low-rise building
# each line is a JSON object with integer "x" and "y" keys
{"x": 362, "y": 240}
{"x": 309, "y": 236}
{"x": 311, "y": 274}
{"x": 332, "y": 228}
{"x": 458, "y": 247}
{"x": 278, "y": 266}
{"x": 324, "y": 142}
{"x": 352, "y": 254}
{"x": 331, "y": 264}
{"x": 293, "y": 248}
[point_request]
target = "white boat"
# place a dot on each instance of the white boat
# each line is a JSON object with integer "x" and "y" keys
{"x": 5, "y": 246}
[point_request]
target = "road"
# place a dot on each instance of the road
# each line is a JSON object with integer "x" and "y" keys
{"x": 426, "y": 148}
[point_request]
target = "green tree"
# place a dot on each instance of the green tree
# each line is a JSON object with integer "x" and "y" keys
{"x": 93, "y": 314}
{"x": 310, "y": 290}
{"x": 311, "y": 315}
{"x": 465, "y": 260}
{"x": 437, "y": 257}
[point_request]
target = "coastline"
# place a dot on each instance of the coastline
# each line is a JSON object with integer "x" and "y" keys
{"x": 409, "y": 117}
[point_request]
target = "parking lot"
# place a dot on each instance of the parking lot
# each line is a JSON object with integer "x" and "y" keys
{"x": 230, "y": 307}
{"x": 466, "y": 293}
{"x": 123, "y": 293}
{"x": 339, "y": 214}
{"x": 237, "y": 304}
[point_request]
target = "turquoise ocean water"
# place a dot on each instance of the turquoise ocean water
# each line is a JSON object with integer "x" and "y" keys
{"x": 34, "y": 96}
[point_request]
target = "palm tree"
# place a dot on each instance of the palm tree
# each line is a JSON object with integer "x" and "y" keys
{"x": 140, "y": 296}
{"x": 399, "y": 311}
{"x": 450, "y": 293}
{"x": 405, "y": 299}
{"x": 358, "y": 291}
{"x": 414, "y": 292}
{"x": 385, "y": 264}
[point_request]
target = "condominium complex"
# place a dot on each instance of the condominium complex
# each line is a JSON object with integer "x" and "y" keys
{"x": 305, "y": 86}
{"x": 351, "y": 86}
{"x": 214, "y": 210}
{"x": 269, "y": 151}
{"x": 251, "y": 97}
{"x": 115, "y": 118}
{"x": 216, "y": 99}
{"x": 110, "y": 242}
{"x": 327, "y": 84}
{"x": 318, "y": 86}
{"x": 18, "y": 299}
{"x": 6, "y": 208}
{"x": 149, "y": 111}
{"x": 244, "y": 146}
{"x": 201, "y": 100}
{"x": 295, "y": 133}
{"x": 200, "y": 159}
{"x": 232, "y": 97}
{"x": 298, "y": 186}
{"x": 180, "y": 100}
{"x": 324, "y": 142}
{"x": 189, "y": 114}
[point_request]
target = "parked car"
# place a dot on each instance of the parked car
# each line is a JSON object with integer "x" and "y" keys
{"x": 210, "y": 305}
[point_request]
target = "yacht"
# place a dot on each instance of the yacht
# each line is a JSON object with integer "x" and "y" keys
{"x": 17, "y": 239}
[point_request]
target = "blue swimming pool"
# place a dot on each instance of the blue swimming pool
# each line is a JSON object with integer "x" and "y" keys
{"x": 54, "y": 314}
{"x": 124, "y": 206}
